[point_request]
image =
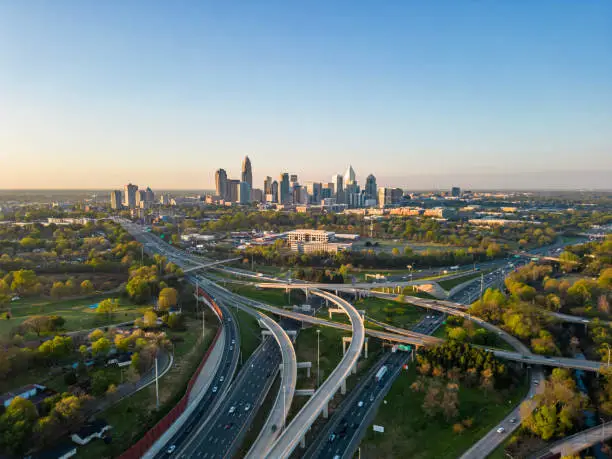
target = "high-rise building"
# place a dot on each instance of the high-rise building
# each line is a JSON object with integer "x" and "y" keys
{"x": 274, "y": 191}
{"x": 150, "y": 195}
{"x": 285, "y": 197}
{"x": 129, "y": 196}
{"x": 456, "y": 192}
{"x": 370, "y": 187}
{"x": 244, "y": 193}
{"x": 314, "y": 190}
{"x": 293, "y": 179}
{"x": 221, "y": 183}
{"x": 232, "y": 190}
{"x": 257, "y": 195}
{"x": 338, "y": 182}
{"x": 116, "y": 199}
{"x": 349, "y": 176}
{"x": 267, "y": 185}
{"x": 141, "y": 198}
{"x": 296, "y": 192}
{"x": 389, "y": 196}
{"x": 164, "y": 199}
{"x": 247, "y": 171}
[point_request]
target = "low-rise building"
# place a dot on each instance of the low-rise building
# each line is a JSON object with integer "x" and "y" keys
{"x": 87, "y": 433}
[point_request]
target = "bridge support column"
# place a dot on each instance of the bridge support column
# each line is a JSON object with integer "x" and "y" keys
{"x": 343, "y": 388}
{"x": 308, "y": 372}
{"x": 366, "y": 347}
{"x": 326, "y": 411}
{"x": 354, "y": 369}
{"x": 303, "y": 442}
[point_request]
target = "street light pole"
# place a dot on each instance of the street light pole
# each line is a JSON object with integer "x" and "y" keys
{"x": 318, "y": 334}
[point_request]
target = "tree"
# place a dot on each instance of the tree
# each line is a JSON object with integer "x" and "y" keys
{"x": 100, "y": 347}
{"x": 108, "y": 307}
{"x": 16, "y": 425}
{"x": 139, "y": 290}
{"x": 87, "y": 287}
{"x": 150, "y": 319}
{"x": 167, "y": 298}
{"x": 96, "y": 335}
{"x": 395, "y": 252}
{"x": 25, "y": 282}
{"x": 569, "y": 261}
{"x": 58, "y": 290}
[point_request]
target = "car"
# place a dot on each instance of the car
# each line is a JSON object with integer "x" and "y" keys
{"x": 332, "y": 437}
{"x": 228, "y": 426}
{"x": 221, "y": 378}
{"x": 371, "y": 398}
{"x": 536, "y": 382}
{"x": 214, "y": 389}
{"x": 233, "y": 341}
{"x": 170, "y": 449}
{"x": 232, "y": 409}
{"x": 360, "y": 404}
{"x": 247, "y": 407}
{"x": 513, "y": 420}
{"x": 500, "y": 430}
{"x": 231, "y": 348}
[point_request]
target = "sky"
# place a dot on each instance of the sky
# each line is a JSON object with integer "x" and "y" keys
{"x": 423, "y": 94}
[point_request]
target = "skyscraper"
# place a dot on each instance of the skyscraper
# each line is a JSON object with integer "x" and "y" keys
{"x": 267, "y": 185}
{"x": 150, "y": 196}
{"x": 285, "y": 197}
{"x": 221, "y": 183}
{"x": 247, "y": 171}
{"x": 232, "y": 190}
{"x": 274, "y": 191}
{"x": 349, "y": 176}
{"x": 456, "y": 192}
{"x": 244, "y": 193}
{"x": 141, "y": 198}
{"x": 116, "y": 199}
{"x": 338, "y": 182}
{"x": 129, "y": 196}
{"x": 370, "y": 187}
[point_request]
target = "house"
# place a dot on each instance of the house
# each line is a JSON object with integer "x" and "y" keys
{"x": 90, "y": 431}
{"x": 28, "y": 392}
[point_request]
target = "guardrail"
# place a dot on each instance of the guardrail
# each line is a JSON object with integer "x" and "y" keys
{"x": 138, "y": 449}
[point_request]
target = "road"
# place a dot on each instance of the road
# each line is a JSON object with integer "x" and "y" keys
{"x": 487, "y": 444}
{"x": 345, "y": 429}
{"x": 302, "y": 421}
{"x": 572, "y": 445}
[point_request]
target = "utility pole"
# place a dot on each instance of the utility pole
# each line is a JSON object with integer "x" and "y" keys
{"x": 156, "y": 384}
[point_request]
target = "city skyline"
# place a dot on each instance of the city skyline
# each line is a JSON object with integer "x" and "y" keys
{"x": 494, "y": 95}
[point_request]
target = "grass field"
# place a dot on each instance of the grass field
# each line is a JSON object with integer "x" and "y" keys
{"x": 274, "y": 297}
{"x": 391, "y": 312}
{"x": 77, "y": 313}
{"x": 410, "y": 433}
{"x": 250, "y": 333}
{"x": 132, "y": 417}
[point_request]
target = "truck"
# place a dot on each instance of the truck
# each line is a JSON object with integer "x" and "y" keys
{"x": 454, "y": 268}
{"x": 380, "y": 373}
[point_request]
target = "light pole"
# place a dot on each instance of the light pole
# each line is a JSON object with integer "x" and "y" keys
{"x": 608, "y": 346}
{"x": 318, "y": 335}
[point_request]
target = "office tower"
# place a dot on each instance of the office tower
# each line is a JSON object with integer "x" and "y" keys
{"x": 389, "y": 196}
{"x": 257, "y": 195}
{"x": 221, "y": 183}
{"x": 116, "y": 199}
{"x": 297, "y": 193}
{"x": 164, "y": 199}
{"x": 284, "y": 197}
{"x": 150, "y": 196}
{"x": 129, "y": 196}
{"x": 247, "y": 171}
{"x": 141, "y": 198}
{"x": 370, "y": 187}
{"x": 327, "y": 191}
{"x": 456, "y": 192}
{"x": 244, "y": 193}
{"x": 349, "y": 176}
{"x": 232, "y": 191}
{"x": 267, "y": 185}
{"x": 396, "y": 196}
{"x": 314, "y": 190}
{"x": 338, "y": 182}
{"x": 293, "y": 179}
{"x": 274, "y": 191}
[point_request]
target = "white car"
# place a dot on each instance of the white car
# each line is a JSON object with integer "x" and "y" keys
{"x": 171, "y": 449}
{"x": 232, "y": 409}
{"x": 360, "y": 404}
{"x": 247, "y": 407}
{"x": 221, "y": 378}
{"x": 214, "y": 389}
{"x": 501, "y": 430}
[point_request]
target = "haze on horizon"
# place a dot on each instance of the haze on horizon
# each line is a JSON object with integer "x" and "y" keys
{"x": 509, "y": 95}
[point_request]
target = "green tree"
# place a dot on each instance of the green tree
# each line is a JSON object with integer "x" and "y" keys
{"x": 167, "y": 298}
{"x": 25, "y": 282}
{"x": 108, "y": 307}
{"x": 150, "y": 319}
{"x": 100, "y": 347}
{"x": 569, "y": 261}
{"x": 16, "y": 425}
{"x": 87, "y": 287}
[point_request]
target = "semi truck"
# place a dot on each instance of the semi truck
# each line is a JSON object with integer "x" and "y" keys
{"x": 380, "y": 374}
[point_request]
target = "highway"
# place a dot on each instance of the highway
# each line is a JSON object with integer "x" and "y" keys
{"x": 347, "y": 426}
{"x": 572, "y": 445}
{"x": 300, "y": 424}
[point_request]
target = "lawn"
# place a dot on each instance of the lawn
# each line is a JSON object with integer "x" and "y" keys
{"x": 250, "y": 333}
{"x": 391, "y": 312}
{"x": 274, "y": 297}
{"x": 77, "y": 313}
{"x": 410, "y": 433}
{"x": 132, "y": 417}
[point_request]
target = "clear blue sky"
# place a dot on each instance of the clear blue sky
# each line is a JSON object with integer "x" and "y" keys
{"x": 420, "y": 93}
